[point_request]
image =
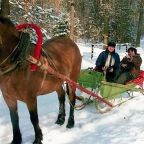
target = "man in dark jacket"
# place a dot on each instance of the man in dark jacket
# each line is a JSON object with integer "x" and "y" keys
{"x": 129, "y": 66}
{"x": 108, "y": 62}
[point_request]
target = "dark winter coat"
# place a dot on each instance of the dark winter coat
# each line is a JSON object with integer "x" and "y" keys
{"x": 101, "y": 60}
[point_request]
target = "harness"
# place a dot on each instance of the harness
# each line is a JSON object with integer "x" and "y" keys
{"x": 17, "y": 56}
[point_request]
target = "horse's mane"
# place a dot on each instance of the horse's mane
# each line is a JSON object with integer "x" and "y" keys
{"x": 6, "y": 21}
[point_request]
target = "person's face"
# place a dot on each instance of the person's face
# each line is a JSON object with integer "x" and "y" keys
{"x": 111, "y": 48}
{"x": 131, "y": 53}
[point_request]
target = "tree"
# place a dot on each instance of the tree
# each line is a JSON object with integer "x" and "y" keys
{"x": 61, "y": 28}
{"x": 120, "y": 20}
{"x": 72, "y": 22}
{"x": 5, "y": 8}
{"x": 140, "y": 23}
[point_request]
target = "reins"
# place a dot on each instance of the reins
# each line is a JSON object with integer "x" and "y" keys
{"x": 35, "y": 63}
{"x": 8, "y": 69}
{"x": 65, "y": 78}
{"x": 4, "y": 61}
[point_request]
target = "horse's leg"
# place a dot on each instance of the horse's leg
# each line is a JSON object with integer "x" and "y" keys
{"x": 72, "y": 96}
{"x": 32, "y": 107}
{"x": 12, "y": 105}
{"x": 61, "y": 116}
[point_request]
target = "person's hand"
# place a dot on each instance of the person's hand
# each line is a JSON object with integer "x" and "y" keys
{"x": 127, "y": 56}
{"x": 110, "y": 69}
{"x": 91, "y": 68}
{"x": 124, "y": 65}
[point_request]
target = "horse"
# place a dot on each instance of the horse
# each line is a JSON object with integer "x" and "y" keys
{"x": 18, "y": 82}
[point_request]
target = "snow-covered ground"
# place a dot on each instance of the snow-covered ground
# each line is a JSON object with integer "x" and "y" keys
{"x": 123, "y": 124}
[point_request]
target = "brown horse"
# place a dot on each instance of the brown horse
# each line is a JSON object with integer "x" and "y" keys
{"x": 18, "y": 82}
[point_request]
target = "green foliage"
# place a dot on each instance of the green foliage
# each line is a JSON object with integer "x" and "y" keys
{"x": 93, "y": 19}
{"x": 45, "y": 18}
{"x": 61, "y": 28}
{"x": 116, "y": 19}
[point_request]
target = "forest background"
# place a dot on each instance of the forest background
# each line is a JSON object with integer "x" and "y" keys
{"x": 90, "y": 20}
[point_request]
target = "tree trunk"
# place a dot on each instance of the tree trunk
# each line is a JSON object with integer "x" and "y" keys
{"x": 57, "y": 6}
{"x": 140, "y": 23}
{"x": 33, "y": 2}
{"x": 72, "y": 22}
{"x": 95, "y": 8}
{"x": 5, "y": 8}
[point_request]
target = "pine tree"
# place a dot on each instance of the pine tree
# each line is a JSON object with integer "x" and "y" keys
{"x": 61, "y": 28}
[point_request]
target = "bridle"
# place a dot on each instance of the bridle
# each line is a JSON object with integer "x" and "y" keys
{"x": 17, "y": 55}
{"x": 4, "y": 61}
{"x": 8, "y": 68}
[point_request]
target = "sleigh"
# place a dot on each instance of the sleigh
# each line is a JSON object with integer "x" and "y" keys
{"x": 115, "y": 93}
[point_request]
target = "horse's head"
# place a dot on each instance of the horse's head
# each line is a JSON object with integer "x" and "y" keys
{"x": 9, "y": 37}
{"x": 8, "y": 32}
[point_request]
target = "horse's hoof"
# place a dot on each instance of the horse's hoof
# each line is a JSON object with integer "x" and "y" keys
{"x": 60, "y": 120}
{"x": 37, "y": 141}
{"x": 70, "y": 126}
{"x": 38, "y": 138}
{"x": 70, "y": 123}
{"x": 16, "y": 141}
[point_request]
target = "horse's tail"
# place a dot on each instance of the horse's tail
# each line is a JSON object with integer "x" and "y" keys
{"x": 67, "y": 92}
{"x": 67, "y": 88}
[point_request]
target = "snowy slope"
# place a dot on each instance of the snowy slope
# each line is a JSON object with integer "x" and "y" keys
{"x": 123, "y": 124}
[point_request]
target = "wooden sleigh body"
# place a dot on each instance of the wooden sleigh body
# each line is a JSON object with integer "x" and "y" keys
{"x": 113, "y": 92}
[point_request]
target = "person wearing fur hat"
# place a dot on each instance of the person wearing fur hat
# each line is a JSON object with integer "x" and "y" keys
{"x": 108, "y": 62}
{"x": 129, "y": 66}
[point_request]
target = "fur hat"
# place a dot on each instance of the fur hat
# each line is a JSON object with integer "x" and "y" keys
{"x": 112, "y": 44}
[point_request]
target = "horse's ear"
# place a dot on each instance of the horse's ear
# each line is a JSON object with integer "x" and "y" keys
{"x": 16, "y": 33}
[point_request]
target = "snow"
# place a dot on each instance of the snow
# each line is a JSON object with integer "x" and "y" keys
{"x": 123, "y": 124}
